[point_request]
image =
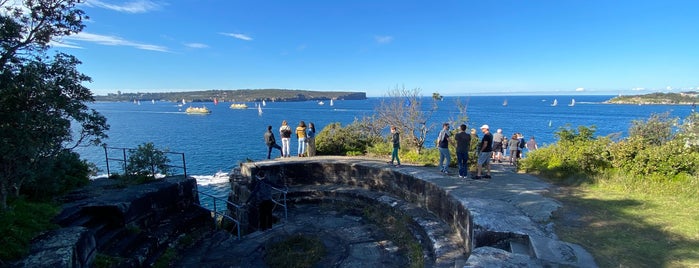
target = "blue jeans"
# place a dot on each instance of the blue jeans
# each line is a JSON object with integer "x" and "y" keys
{"x": 444, "y": 154}
{"x": 302, "y": 146}
{"x": 462, "y": 160}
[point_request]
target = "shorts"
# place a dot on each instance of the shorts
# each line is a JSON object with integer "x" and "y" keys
{"x": 497, "y": 147}
{"x": 484, "y": 158}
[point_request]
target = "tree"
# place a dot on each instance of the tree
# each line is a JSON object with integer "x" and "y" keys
{"x": 41, "y": 97}
{"x": 403, "y": 109}
{"x": 147, "y": 161}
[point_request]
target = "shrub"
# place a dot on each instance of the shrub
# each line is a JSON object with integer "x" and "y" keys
{"x": 147, "y": 161}
{"x": 353, "y": 139}
{"x": 59, "y": 175}
{"x": 20, "y": 223}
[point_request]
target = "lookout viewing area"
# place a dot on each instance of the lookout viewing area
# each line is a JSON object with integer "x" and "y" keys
{"x": 500, "y": 222}
{"x": 503, "y": 221}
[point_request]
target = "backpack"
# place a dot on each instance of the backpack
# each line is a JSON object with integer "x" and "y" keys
{"x": 522, "y": 144}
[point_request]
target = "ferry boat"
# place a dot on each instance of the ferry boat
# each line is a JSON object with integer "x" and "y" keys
{"x": 197, "y": 110}
{"x": 239, "y": 106}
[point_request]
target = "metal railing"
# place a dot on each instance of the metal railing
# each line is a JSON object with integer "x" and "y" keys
{"x": 222, "y": 213}
{"x": 124, "y": 159}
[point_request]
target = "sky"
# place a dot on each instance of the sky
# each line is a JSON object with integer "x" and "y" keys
{"x": 455, "y": 48}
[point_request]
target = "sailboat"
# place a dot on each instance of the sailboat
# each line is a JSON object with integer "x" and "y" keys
{"x": 264, "y": 103}
{"x": 504, "y": 103}
{"x": 331, "y": 102}
{"x": 555, "y": 102}
{"x": 550, "y": 123}
{"x": 259, "y": 109}
{"x": 215, "y": 101}
{"x": 572, "y": 102}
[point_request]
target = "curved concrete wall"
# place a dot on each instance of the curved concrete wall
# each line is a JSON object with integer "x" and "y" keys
{"x": 374, "y": 176}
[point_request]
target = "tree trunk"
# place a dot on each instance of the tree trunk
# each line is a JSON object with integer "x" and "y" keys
{"x": 3, "y": 196}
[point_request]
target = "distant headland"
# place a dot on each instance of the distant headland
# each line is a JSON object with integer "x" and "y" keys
{"x": 682, "y": 98}
{"x": 238, "y": 95}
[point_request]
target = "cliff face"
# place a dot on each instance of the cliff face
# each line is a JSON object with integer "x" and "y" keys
{"x": 240, "y": 95}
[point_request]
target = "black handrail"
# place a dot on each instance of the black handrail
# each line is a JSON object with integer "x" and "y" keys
{"x": 124, "y": 160}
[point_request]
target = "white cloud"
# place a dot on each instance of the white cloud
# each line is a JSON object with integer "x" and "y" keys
{"x": 196, "y": 45}
{"x": 383, "y": 39}
{"x": 112, "y": 41}
{"x": 65, "y": 44}
{"x": 238, "y": 36}
{"x": 139, "y": 6}
{"x": 638, "y": 89}
{"x": 580, "y": 89}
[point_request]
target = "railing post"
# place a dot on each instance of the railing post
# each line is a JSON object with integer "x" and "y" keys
{"x": 184, "y": 166}
{"x": 124, "y": 153}
{"x": 106, "y": 159}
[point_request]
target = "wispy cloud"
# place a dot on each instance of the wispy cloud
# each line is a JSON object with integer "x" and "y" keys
{"x": 196, "y": 45}
{"x": 580, "y": 89}
{"x": 65, "y": 44}
{"x": 138, "y": 6}
{"x": 112, "y": 41}
{"x": 238, "y": 36}
{"x": 383, "y": 39}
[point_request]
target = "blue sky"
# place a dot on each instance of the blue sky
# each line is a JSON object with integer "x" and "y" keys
{"x": 451, "y": 47}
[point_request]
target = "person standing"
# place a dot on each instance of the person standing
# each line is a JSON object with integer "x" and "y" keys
{"x": 497, "y": 145}
{"x": 311, "y": 139}
{"x": 301, "y": 135}
{"x": 443, "y": 146}
{"x": 485, "y": 149}
{"x": 285, "y": 133}
{"x": 395, "y": 139}
{"x": 522, "y": 144}
{"x": 463, "y": 143}
{"x": 271, "y": 142}
{"x": 513, "y": 144}
{"x": 531, "y": 144}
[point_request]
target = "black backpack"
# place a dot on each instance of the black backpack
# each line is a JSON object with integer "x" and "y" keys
{"x": 522, "y": 144}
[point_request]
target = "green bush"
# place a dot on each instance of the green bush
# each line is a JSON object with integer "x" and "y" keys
{"x": 353, "y": 139}
{"x": 147, "y": 161}
{"x": 57, "y": 176}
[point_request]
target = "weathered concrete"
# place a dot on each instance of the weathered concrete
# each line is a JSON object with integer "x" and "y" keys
{"x": 511, "y": 214}
{"x": 131, "y": 225}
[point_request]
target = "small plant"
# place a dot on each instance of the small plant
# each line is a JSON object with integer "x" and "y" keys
{"x": 298, "y": 250}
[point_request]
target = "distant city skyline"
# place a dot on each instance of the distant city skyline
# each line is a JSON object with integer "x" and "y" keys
{"x": 456, "y": 48}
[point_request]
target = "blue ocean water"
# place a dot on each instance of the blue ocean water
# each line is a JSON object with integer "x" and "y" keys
{"x": 221, "y": 140}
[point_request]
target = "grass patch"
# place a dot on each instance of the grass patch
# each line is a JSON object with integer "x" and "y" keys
{"x": 20, "y": 223}
{"x": 398, "y": 230}
{"x": 634, "y": 222}
{"x": 295, "y": 251}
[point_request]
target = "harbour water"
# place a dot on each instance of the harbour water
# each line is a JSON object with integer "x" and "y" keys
{"x": 219, "y": 141}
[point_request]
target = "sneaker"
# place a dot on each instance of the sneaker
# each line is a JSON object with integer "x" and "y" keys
{"x": 486, "y": 177}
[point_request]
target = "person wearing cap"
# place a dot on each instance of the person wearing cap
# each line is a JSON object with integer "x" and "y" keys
{"x": 485, "y": 149}
{"x": 443, "y": 146}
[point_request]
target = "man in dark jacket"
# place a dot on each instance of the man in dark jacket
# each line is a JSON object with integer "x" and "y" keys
{"x": 271, "y": 142}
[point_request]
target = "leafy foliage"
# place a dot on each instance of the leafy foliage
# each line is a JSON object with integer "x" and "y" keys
{"x": 352, "y": 139}
{"x": 655, "y": 130}
{"x": 61, "y": 174}
{"x": 147, "y": 161}
{"x": 41, "y": 97}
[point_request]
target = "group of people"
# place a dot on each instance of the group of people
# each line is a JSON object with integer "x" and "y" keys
{"x": 491, "y": 147}
{"x": 515, "y": 146}
{"x": 305, "y": 135}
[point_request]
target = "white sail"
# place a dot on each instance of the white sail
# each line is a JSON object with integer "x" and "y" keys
{"x": 555, "y": 102}
{"x": 264, "y": 103}
{"x": 572, "y": 102}
{"x": 331, "y": 102}
{"x": 259, "y": 109}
